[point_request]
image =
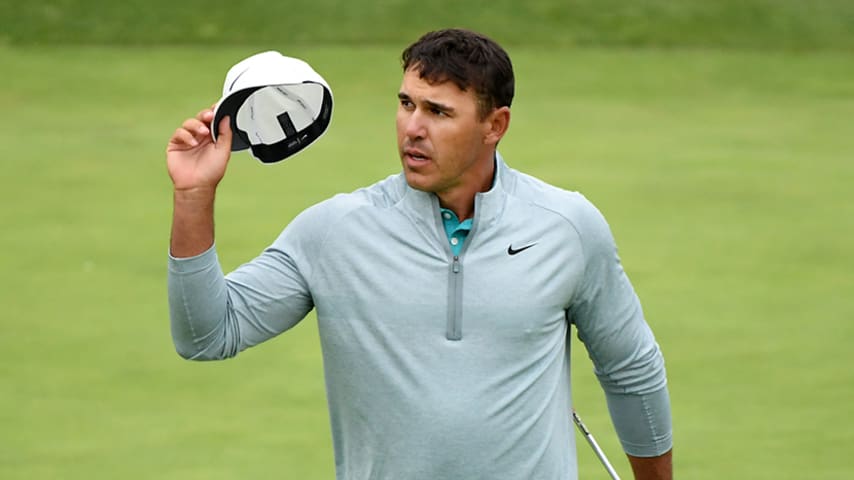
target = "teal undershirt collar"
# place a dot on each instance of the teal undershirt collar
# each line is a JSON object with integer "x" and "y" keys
{"x": 456, "y": 230}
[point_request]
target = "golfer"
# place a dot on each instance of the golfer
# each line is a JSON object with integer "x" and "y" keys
{"x": 445, "y": 294}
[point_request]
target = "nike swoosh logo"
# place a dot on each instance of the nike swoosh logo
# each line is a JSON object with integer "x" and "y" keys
{"x": 512, "y": 251}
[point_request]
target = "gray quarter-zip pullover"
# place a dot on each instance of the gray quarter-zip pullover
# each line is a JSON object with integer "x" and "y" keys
{"x": 443, "y": 366}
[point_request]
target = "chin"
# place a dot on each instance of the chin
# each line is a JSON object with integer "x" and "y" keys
{"x": 418, "y": 182}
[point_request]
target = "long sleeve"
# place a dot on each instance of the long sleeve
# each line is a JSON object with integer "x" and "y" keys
{"x": 627, "y": 360}
{"x": 215, "y": 316}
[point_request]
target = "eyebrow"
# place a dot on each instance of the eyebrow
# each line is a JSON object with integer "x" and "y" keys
{"x": 429, "y": 103}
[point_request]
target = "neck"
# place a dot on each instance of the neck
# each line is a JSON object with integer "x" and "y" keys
{"x": 460, "y": 200}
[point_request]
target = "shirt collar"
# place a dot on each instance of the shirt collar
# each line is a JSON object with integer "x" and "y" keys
{"x": 488, "y": 206}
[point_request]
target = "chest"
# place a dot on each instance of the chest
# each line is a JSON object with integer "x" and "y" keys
{"x": 514, "y": 277}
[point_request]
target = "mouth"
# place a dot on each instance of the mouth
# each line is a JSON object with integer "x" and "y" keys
{"x": 415, "y": 155}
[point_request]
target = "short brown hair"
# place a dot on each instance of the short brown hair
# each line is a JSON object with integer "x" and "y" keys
{"x": 468, "y": 59}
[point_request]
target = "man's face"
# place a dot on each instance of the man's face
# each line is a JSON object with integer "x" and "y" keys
{"x": 441, "y": 138}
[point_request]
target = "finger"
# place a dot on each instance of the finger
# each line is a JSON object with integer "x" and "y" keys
{"x": 223, "y": 139}
{"x": 196, "y": 127}
{"x": 206, "y": 115}
{"x": 182, "y": 138}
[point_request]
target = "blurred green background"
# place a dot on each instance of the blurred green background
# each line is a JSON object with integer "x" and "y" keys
{"x": 773, "y": 24}
{"x": 716, "y": 136}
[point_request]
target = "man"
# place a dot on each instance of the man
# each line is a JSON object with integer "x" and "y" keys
{"x": 444, "y": 295}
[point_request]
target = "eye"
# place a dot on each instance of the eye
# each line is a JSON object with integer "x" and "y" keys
{"x": 438, "y": 112}
{"x": 407, "y": 104}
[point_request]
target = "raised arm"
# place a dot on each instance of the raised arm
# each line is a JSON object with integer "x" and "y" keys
{"x": 215, "y": 316}
{"x": 196, "y": 165}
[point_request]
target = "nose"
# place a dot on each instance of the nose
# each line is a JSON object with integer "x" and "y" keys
{"x": 413, "y": 125}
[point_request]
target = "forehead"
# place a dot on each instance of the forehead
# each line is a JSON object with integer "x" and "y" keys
{"x": 420, "y": 90}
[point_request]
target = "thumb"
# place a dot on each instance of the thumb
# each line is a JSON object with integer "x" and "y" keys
{"x": 223, "y": 140}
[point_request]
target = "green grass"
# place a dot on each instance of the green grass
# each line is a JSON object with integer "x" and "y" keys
{"x": 726, "y": 177}
{"x": 755, "y": 24}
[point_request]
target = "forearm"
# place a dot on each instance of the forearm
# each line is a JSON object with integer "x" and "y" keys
{"x": 215, "y": 317}
{"x": 642, "y": 421}
{"x": 192, "y": 222}
{"x": 653, "y": 468}
{"x": 198, "y": 308}
{"x": 643, "y": 424}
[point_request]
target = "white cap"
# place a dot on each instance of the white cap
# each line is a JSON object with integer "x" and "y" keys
{"x": 278, "y": 105}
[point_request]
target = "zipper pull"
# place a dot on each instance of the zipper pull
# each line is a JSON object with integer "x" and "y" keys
{"x": 456, "y": 264}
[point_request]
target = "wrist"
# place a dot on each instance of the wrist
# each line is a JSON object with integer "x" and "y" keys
{"x": 194, "y": 195}
{"x": 192, "y": 221}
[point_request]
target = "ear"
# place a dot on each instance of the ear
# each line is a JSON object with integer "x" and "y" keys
{"x": 495, "y": 125}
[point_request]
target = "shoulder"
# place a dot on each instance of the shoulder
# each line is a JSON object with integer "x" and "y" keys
{"x": 570, "y": 206}
{"x": 316, "y": 221}
{"x": 382, "y": 194}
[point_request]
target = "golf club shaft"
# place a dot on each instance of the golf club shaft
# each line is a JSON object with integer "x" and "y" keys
{"x": 594, "y": 445}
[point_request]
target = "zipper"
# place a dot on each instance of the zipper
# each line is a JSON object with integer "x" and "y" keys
{"x": 454, "y": 326}
{"x": 455, "y": 301}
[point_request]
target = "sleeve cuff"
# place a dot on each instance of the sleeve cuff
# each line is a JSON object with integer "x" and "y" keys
{"x": 642, "y": 422}
{"x": 195, "y": 263}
